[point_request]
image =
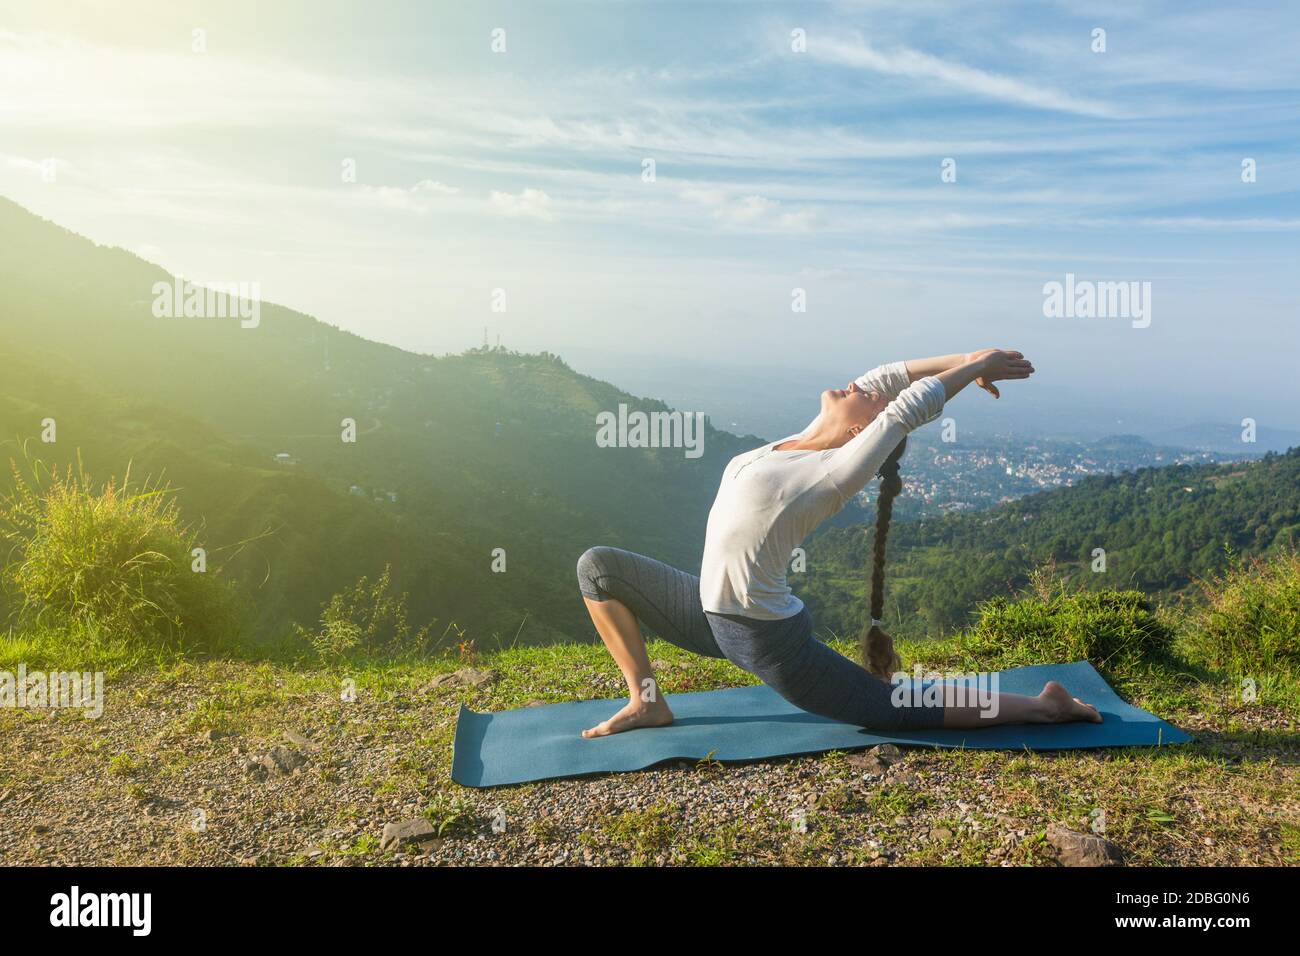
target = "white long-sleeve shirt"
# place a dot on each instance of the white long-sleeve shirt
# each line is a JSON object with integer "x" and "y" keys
{"x": 769, "y": 501}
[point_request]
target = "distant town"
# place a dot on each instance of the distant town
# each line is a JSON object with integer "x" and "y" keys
{"x": 975, "y": 474}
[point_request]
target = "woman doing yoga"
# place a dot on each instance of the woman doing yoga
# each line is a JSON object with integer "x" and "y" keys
{"x": 741, "y": 607}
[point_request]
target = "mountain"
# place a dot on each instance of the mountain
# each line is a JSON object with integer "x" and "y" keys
{"x": 454, "y": 456}
{"x": 1160, "y": 528}
{"x": 1228, "y": 437}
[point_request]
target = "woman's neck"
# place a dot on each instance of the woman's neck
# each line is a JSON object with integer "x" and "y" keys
{"x": 814, "y": 438}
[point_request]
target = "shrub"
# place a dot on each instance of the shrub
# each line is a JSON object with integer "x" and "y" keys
{"x": 1250, "y": 623}
{"x": 365, "y": 620}
{"x": 107, "y": 565}
{"x": 450, "y": 815}
{"x": 1114, "y": 630}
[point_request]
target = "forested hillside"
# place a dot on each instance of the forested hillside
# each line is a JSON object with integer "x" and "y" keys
{"x": 454, "y": 457}
{"x": 1160, "y": 528}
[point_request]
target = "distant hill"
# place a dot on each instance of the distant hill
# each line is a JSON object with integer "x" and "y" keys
{"x": 1160, "y": 529}
{"x": 1112, "y": 442}
{"x": 455, "y": 456}
{"x": 1227, "y": 437}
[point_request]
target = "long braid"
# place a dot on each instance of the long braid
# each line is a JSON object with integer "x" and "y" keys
{"x": 878, "y": 654}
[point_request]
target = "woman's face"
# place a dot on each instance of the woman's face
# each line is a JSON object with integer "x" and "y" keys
{"x": 848, "y": 410}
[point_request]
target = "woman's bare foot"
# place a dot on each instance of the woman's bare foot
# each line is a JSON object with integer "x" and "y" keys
{"x": 1060, "y": 708}
{"x": 635, "y": 713}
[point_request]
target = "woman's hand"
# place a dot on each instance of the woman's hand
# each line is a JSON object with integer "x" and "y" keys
{"x": 981, "y": 382}
{"x": 997, "y": 365}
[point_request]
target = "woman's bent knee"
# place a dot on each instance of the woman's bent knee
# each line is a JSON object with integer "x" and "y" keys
{"x": 592, "y": 567}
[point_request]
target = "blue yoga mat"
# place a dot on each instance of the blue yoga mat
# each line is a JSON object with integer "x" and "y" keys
{"x": 752, "y": 723}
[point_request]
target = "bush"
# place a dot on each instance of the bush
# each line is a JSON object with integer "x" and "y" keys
{"x": 108, "y": 566}
{"x": 1114, "y": 630}
{"x": 1250, "y": 623}
{"x": 365, "y": 620}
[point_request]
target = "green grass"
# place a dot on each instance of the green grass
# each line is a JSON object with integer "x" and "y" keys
{"x": 108, "y": 568}
{"x": 1249, "y": 625}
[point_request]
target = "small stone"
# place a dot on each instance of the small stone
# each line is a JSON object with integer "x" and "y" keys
{"x": 407, "y": 831}
{"x": 465, "y": 677}
{"x": 887, "y": 753}
{"x": 283, "y": 760}
{"x": 1083, "y": 849}
{"x": 877, "y": 760}
{"x": 868, "y": 764}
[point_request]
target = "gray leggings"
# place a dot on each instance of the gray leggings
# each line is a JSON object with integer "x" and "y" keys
{"x": 784, "y": 654}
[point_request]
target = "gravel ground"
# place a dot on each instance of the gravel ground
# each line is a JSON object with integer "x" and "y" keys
{"x": 237, "y": 764}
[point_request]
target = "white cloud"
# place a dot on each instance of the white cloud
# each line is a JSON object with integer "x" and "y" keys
{"x": 533, "y": 203}
{"x": 915, "y": 64}
{"x": 416, "y": 199}
{"x": 753, "y": 211}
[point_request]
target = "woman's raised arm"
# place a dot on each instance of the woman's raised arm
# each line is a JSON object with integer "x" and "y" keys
{"x": 987, "y": 367}
{"x": 921, "y": 367}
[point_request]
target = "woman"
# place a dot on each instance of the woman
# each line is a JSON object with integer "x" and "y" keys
{"x": 741, "y": 607}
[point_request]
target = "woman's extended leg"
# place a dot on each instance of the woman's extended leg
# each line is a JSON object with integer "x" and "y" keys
{"x": 787, "y": 657}
{"x": 623, "y": 590}
{"x": 1053, "y": 705}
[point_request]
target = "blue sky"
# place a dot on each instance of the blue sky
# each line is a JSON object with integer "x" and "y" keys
{"x": 775, "y": 170}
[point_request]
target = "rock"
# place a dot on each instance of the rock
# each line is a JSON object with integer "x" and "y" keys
{"x": 868, "y": 764}
{"x": 283, "y": 760}
{"x": 877, "y": 760}
{"x": 887, "y": 753}
{"x": 1083, "y": 849}
{"x": 395, "y": 835}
